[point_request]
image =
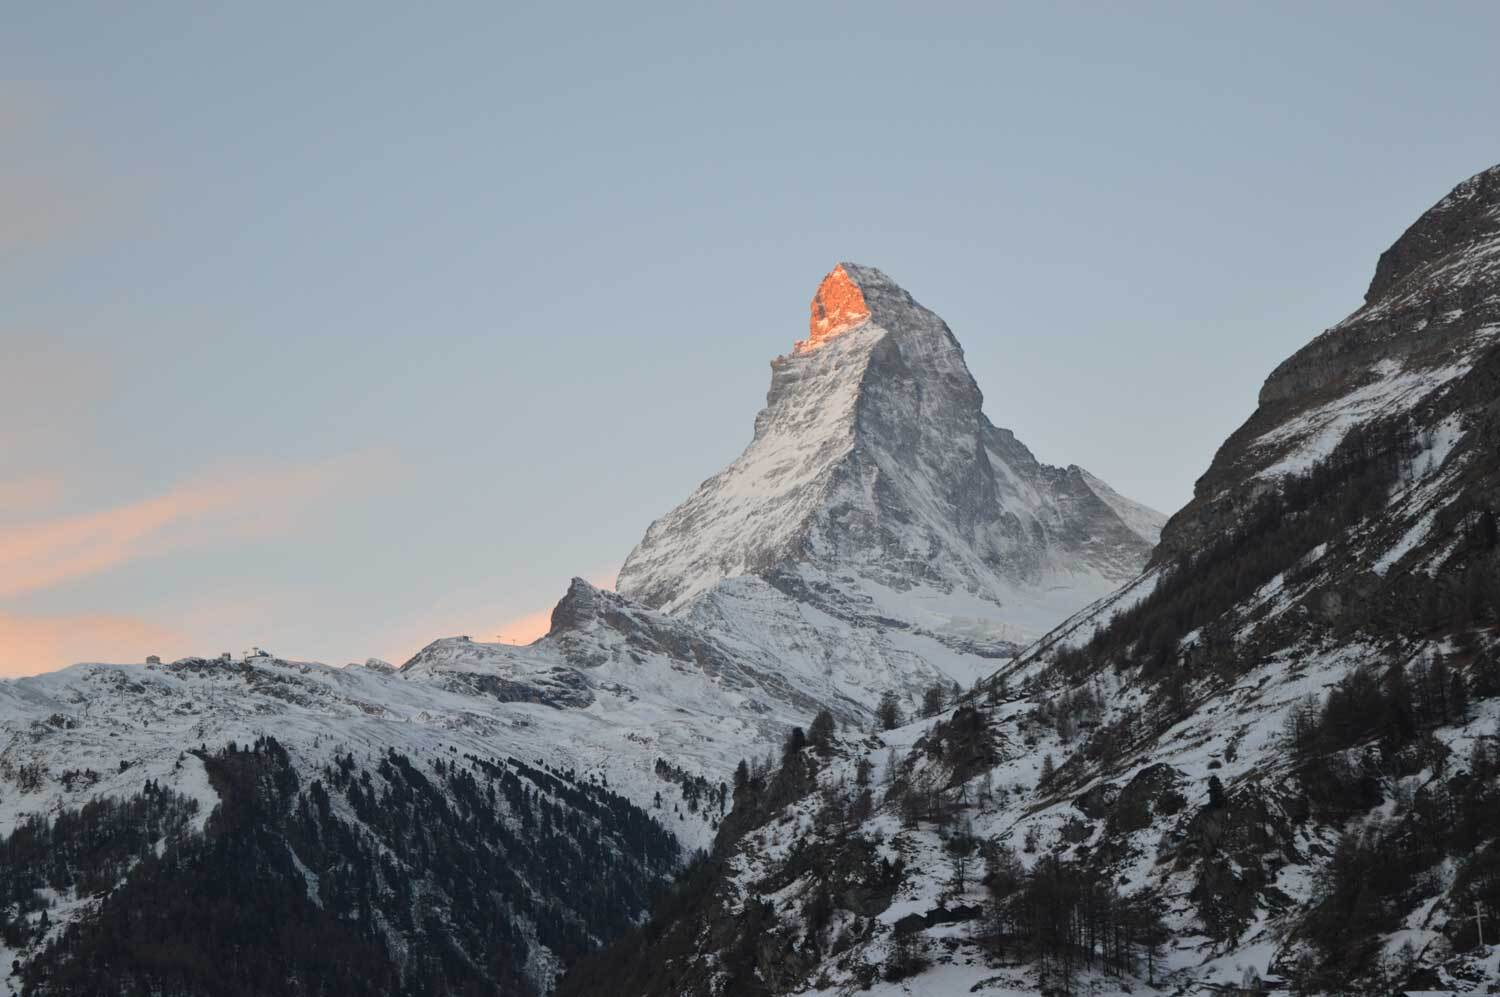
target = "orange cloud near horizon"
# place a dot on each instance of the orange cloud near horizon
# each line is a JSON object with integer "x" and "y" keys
{"x": 226, "y": 506}
{"x": 40, "y": 555}
{"x": 222, "y": 507}
{"x": 30, "y": 645}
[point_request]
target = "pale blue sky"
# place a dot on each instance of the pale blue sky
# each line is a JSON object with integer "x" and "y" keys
{"x": 339, "y": 328}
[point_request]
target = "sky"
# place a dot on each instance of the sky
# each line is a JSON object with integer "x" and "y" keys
{"x": 336, "y": 329}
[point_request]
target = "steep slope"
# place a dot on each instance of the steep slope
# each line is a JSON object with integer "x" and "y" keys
{"x": 1429, "y": 317}
{"x": 1393, "y": 409}
{"x": 876, "y": 491}
{"x": 1271, "y": 756}
{"x": 383, "y": 874}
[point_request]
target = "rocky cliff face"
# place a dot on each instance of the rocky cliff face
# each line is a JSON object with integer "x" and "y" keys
{"x": 875, "y": 489}
{"x": 1429, "y": 319}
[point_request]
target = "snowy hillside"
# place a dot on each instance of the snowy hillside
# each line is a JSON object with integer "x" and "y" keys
{"x": 615, "y": 700}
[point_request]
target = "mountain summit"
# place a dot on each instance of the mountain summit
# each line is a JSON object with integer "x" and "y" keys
{"x": 838, "y": 307}
{"x": 876, "y": 489}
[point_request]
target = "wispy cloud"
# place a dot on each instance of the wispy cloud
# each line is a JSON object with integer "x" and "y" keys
{"x": 217, "y": 508}
{"x": 38, "y": 555}
{"x": 224, "y": 506}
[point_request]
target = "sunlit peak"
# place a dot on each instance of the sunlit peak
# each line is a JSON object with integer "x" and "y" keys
{"x": 836, "y": 308}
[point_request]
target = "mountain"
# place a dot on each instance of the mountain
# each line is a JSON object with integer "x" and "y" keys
{"x": 303, "y": 828}
{"x": 1392, "y": 407}
{"x": 1268, "y": 753}
{"x": 569, "y": 776}
{"x": 1268, "y": 761}
{"x": 328, "y": 821}
{"x": 876, "y": 491}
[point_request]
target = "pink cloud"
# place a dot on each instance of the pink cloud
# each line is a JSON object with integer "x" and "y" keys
{"x": 39, "y": 555}
{"x": 222, "y": 507}
{"x": 212, "y": 509}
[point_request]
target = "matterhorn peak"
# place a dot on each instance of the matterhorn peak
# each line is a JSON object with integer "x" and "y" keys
{"x": 873, "y": 476}
{"x": 837, "y": 307}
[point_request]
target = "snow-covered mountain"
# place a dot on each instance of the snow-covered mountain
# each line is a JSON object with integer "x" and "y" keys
{"x": 876, "y": 491}
{"x": 343, "y": 798}
{"x": 1294, "y": 694}
{"x": 605, "y": 747}
{"x": 1269, "y": 761}
{"x": 879, "y": 535}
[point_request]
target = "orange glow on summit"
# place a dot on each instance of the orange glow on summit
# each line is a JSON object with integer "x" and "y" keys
{"x": 837, "y": 307}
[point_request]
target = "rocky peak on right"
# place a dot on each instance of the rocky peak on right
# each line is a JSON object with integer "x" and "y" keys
{"x": 1413, "y": 370}
{"x": 1274, "y": 747}
{"x": 1341, "y": 551}
{"x": 1468, "y": 219}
